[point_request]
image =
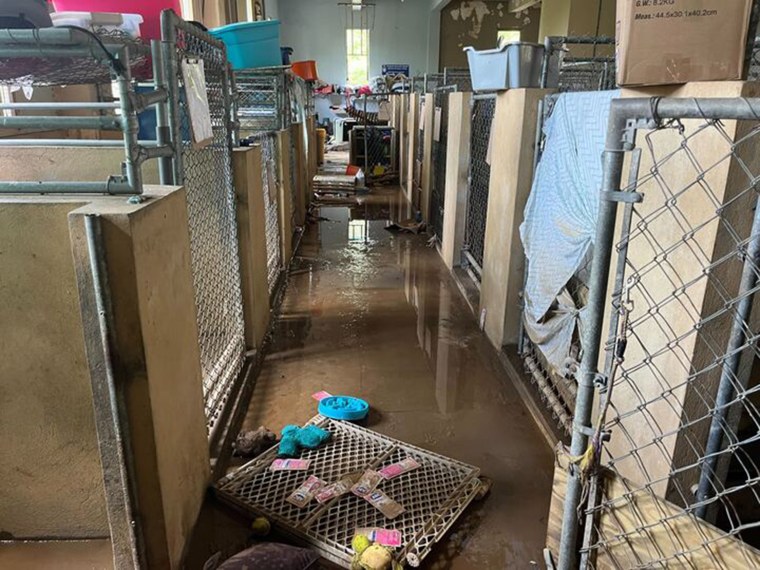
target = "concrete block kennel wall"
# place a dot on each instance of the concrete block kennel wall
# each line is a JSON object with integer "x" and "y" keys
{"x": 65, "y": 163}
{"x": 513, "y": 136}
{"x": 251, "y": 219}
{"x": 53, "y": 487}
{"x": 302, "y": 203}
{"x": 311, "y": 155}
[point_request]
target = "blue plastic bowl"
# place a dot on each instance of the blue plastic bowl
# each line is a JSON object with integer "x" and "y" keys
{"x": 251, "y": 44}
{"x": 343, "y": 408}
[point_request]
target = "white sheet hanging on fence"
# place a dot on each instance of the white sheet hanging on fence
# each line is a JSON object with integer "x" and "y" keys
{"x": 561, "y": 213}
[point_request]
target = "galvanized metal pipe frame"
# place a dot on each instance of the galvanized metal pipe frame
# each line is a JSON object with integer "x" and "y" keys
{"x": 66, "y": 43}
{"x": 626, "y": 116}
{"x": 53, "y": 122}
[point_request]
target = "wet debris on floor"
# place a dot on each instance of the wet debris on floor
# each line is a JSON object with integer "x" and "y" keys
{"x": 355, "y": 483}
{"x": 410, "y": 226}
{"x": 251, "y": 443}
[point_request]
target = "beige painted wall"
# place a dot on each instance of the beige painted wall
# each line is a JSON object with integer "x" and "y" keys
{"x": 577, "y": 18}
{"x": 53, "y": 484}
{"x": 67, "y": 163}
{"x": 296, "y": 135}
{"x": 285, "y": 198}
{"x": 427, "y": 154}
{"x": 555, "y": 18}
{"x": 513, "y": 140}
{"x": 251, "y": 218}
{"x": 412, "y": 119}
{"x": 50, "y": 471}
{"x": 155, "y": 336}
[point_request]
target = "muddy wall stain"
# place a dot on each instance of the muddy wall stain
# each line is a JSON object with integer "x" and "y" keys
{"x": 477, "y": 23}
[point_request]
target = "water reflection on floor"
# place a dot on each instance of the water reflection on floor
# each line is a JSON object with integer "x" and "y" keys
{"x": 375, "y": 314}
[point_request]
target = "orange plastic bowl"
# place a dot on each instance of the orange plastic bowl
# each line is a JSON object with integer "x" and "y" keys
{"x": 306, "y": 69}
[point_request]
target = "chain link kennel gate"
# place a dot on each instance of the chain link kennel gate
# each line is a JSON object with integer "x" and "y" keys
{"x": 439, "y": 156}
{"x": 669, "y": 472}
{"x": 483, "y": 109}
{"x": 206, "y": 173}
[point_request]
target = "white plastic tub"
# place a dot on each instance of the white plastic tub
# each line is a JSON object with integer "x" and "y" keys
{"x": 508, "y": 66}
{"x": 95, "y": 21}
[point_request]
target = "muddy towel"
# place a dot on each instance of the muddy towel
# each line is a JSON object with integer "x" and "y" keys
{"x": 560, "y": 216}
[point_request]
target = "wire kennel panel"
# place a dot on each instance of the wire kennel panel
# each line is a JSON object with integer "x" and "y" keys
{"x": 270, "y": 186}
{"x": 420, "y": 150}
{"x": 483, "y": 108}
{"x": 262, "y": 100}
{"x": 753, "y": 72}
{"x": 556, "y": 388}
{"x": 459, "y": 78}
{"x": 674, "y": 479}
{"x": 434, "y": 495}
{"x": 432, "y": 81}
{"x": 292, "y": 173}
{"x": 206, "y": 173}
{"x": 439, "y": 156}
{"x": 579, "y": 63}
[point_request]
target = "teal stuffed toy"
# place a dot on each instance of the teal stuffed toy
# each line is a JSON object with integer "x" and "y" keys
{"x": 295, "y": 438}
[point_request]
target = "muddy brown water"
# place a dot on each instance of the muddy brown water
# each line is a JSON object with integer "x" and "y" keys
{"x": 376, "y": 315}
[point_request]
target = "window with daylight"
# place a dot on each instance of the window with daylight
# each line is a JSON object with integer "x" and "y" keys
{"x": 357, "y": 52}
{"x": 508, "y": 36}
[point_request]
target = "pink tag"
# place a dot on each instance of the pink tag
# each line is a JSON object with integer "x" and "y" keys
{"x": 290, "y": 464}
{"x": 382, "y": 536}
{"x": 321, "y": 395}
{"x": 399, "y": 468}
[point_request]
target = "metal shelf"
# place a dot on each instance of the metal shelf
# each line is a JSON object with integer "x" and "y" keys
{"x": 69, "y": 56}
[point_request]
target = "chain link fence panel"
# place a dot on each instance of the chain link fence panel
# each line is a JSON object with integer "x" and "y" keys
{"x": 670, "y": 474}
{"x": 459, "y": 78}
{"x": 753, "y": 74}
{"x": 439, "y": 156}
{"x": 479, "y": 177}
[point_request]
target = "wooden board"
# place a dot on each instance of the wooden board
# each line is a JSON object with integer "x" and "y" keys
{"x": 638, "y": 527}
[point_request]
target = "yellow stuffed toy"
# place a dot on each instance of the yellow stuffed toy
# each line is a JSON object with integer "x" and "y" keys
{"x": 369, "y": 556}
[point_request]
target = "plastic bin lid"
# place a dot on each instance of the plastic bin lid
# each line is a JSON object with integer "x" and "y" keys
{"x": 500, "y": 49}
{"x": 105, "y": 18}
{"x": 238, "y": 26}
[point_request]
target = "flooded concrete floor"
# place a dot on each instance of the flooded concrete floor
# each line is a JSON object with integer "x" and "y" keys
{"x": 375, "y": 314}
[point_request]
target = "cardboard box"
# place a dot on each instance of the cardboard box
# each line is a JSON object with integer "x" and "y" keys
{"x": 660, "y": 42}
